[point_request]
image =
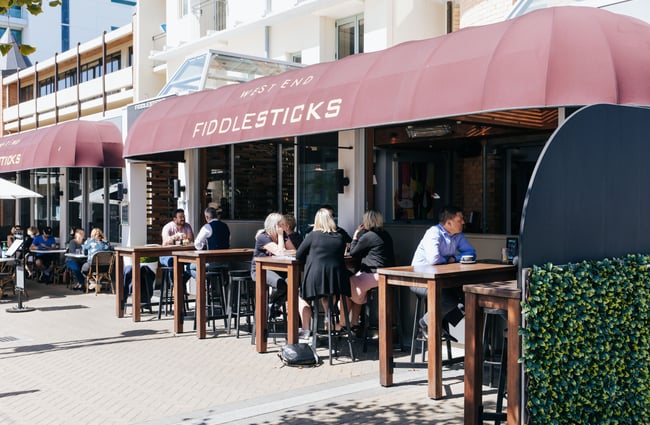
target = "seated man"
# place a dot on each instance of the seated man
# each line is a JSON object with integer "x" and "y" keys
{"x": 44, "y": 262}
{"x": 441, "y": 244}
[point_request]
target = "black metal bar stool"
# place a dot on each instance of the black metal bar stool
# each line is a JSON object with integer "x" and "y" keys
{"x": 216, "y": 282}
{"x": 166, "y": 298}
{"x": 420, "y": 304}
{"x": 241, "y": 283}
{"x": 330, "y": 321}
{"x": 498, "y": 415}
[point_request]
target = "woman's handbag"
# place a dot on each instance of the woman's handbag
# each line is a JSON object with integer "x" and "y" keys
{"x": 300, "y": 355}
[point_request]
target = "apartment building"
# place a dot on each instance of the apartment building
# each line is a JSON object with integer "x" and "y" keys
{"x": 74, "y": 98}
{"x": 61, "y": 28}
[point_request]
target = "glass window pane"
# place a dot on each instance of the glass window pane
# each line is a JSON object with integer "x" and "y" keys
{"x": 74, "y": 196}
{"x": 346, "y": 33}
{"x": 317, "y": 165}
{"x": 256, "y": 180}
{"x": 218, "y": 184}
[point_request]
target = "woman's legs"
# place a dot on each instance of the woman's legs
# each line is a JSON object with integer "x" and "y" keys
{"x": 304, "y": 309}
{"x": 360, "y": 284}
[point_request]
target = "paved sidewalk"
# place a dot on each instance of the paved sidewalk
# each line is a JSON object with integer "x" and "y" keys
{"x": 71, "y": 361}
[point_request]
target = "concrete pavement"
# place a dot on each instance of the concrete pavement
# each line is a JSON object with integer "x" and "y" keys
{"x": 71, "y": 361}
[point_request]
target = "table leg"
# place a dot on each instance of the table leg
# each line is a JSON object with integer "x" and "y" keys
{"x": 200, "y": 298}
{"x": 119, "y": 285}
{"x": 179, "y": 296}
{"x": 292, "y": 300}
{"x": 260, "y": 309}
{"x": 473, "y": 375}
{"x": 136, "y": 295}
{"x": 513, "y": 367}
{"x": 385, "y": 334}
{"x": 434, "y": 367}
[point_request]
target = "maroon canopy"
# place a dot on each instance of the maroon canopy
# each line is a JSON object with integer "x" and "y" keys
{"x": 69, "y": 144}
{"x": 552, "y": 57}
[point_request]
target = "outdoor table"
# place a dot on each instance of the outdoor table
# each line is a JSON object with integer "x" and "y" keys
{"x": 434, "y": 278}
{"x": 495, "y": 295}
{"x": 135, "y": 253}
{"x": 200, "y": 259}
{"x": 293, "y": 269}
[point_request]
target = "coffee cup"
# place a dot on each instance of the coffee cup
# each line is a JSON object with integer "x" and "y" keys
{"x": 466, "y": 258}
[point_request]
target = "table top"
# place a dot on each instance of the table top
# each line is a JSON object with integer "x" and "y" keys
{"x": 7, "y": 259}
{"x": 277, "y": 259}
{"x": 449, "y": 269}
{"x": 502, "y": 289}
{"x": 49, "y": 251}
{"x": 153, "y": 249}
{"x": 212, "y": 252}
{"x": 76, "y": 256}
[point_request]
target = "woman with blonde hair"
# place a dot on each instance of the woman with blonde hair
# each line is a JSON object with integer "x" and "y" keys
{"x": 269, "y": 241}
{"x": 323, "y": 253}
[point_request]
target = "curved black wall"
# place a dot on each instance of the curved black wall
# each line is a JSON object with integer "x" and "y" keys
{"x": 589, "y": 197}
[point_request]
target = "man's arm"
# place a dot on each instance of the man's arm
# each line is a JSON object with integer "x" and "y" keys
{"x": 204, "y": 234}
{"x": 464, "y": 248}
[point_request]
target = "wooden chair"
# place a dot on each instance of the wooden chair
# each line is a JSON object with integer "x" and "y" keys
{"x": 7, "y": 283}
{"x": 101, "y": 271}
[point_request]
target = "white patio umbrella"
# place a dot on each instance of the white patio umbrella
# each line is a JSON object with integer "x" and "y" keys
{"x": 9, "y": 190}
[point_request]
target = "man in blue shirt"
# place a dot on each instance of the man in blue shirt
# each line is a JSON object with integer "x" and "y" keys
{"x": 44, "y": 242}
{"x": 441, "y": 244}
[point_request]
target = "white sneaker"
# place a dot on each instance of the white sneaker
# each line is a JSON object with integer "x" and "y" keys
{"x": 304, "y": 333}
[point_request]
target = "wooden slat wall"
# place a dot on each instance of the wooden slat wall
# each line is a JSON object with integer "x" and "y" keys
{"x": 160, "y": 197}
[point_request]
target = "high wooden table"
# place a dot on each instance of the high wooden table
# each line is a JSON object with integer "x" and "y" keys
{"x": 434, "y": 278}
{"x": 135, "y": 253}
{"x": 495, "y": 295}
{"x": 200, "y": 259}
{"x": 293, "y": 268}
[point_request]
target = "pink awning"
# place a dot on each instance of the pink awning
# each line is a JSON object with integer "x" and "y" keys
{"x": 552, "y": 57}
{"x": 69, "y": 144}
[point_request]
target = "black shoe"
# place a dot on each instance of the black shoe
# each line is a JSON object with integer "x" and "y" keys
{"x": 423, "y": 328}
{"x": 274, "y": 311}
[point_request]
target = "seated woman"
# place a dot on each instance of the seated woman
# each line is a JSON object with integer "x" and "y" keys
{"x": 96, "y": 243}
{"x": 323, "y": 253}
{"x": 374, "y": 246}
{"x": 74, "y": 264}
{"x": 271, "y": 241}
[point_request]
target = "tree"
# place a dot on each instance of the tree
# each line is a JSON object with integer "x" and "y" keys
{"x": 34, "y": 7}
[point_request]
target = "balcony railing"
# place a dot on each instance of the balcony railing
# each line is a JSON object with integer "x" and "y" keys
{"x": 88, "y": 99}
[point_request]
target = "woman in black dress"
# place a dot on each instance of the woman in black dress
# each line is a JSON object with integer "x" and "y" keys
{"x": 374, "y": 246}
{"x": 322, "y": 251}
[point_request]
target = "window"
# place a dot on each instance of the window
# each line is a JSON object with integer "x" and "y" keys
{"x": 91, "y": 70}
{"x": 295, "y": 57}
{"x": 317, "y": 158}
{"x": 185, "y": 8}
{"x": 67, "y": 79}
{"x": 46, "y": 86}
{"x": 349, "y": 36}
{"x": 113, "y": 62}
{"x": 250, "y": 180}
{"x": 26, "y": 93}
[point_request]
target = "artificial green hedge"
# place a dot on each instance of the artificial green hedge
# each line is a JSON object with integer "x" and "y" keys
{"x": 586, "y": 342}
